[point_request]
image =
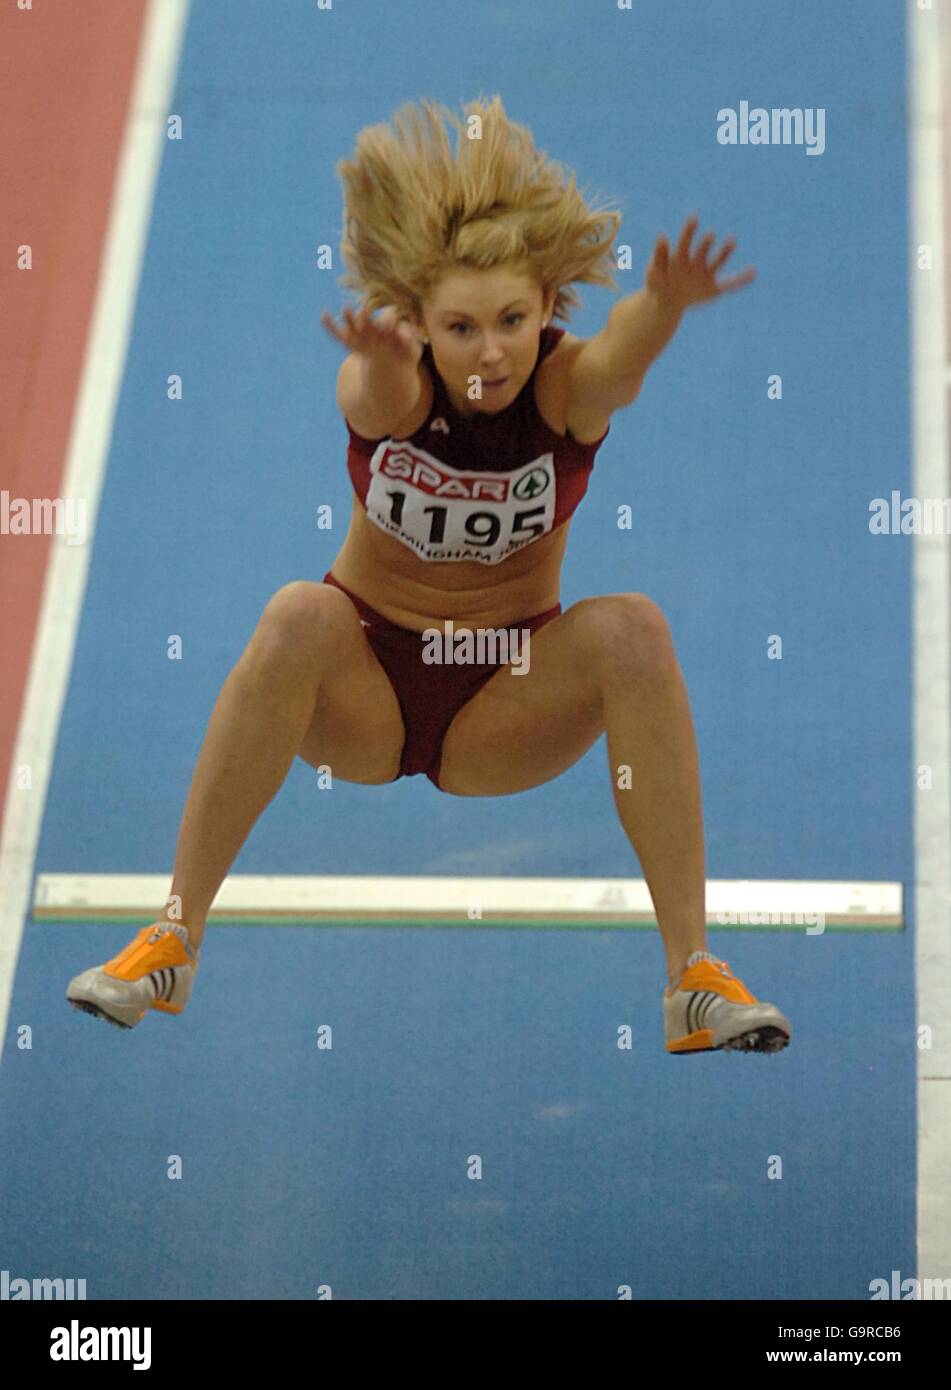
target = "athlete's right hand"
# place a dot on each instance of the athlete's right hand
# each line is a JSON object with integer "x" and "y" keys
{"x": 387, "y": 333}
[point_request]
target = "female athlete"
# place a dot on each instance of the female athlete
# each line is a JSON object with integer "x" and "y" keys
{"x": 473, "y": 424}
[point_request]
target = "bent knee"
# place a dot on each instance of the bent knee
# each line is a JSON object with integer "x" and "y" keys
{"x": 628, "y": 633}
{"x": 303, "y": 614}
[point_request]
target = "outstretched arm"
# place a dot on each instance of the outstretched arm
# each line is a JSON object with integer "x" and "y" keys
{"x": 609, "y": 369}
{"x": 379, "y": 384}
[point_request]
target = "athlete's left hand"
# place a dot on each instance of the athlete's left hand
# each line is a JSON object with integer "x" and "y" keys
{"x": 682, "y": 278}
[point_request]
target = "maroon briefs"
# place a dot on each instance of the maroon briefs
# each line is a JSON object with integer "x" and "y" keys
{"x": 429, "y": 695}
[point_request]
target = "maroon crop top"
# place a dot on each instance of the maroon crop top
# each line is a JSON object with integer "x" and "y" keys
{"x": 473, "y": 487}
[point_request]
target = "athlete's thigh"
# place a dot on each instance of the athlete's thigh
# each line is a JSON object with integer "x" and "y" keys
{"x": 519, "y": 731}
{"x": 356, "y": 729}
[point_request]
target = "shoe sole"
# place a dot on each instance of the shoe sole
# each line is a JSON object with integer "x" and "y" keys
{"x": 765, "y": 1039}
{"x": 87, "y": 1007}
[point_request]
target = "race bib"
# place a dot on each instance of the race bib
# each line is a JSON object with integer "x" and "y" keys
{"x": 445, "y": 513}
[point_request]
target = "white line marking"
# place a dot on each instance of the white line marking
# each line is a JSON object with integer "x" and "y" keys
{"x": 928, "y": 76}
{"x": 90, "y": 435}
{"x": 326, "y": 898}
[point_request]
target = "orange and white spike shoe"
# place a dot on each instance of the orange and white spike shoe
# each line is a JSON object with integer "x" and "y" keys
{"x": 710, "y": 1009}
{"x": 155, "y": 971}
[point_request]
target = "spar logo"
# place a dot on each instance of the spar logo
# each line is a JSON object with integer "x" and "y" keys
{"x": 408, "y": 465}
{"x": 531, "y": 484}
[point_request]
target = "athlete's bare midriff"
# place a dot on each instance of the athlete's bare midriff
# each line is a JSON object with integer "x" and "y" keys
{"x": 418, "y": 594}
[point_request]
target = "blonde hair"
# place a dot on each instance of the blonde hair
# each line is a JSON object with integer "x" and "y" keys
{"x": 414, "y": 211}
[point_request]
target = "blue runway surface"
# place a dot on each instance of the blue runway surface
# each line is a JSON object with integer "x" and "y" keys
{"x": 304, "y": 1167}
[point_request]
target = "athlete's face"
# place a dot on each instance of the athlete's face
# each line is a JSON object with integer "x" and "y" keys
{"x": 485, "y": 324}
